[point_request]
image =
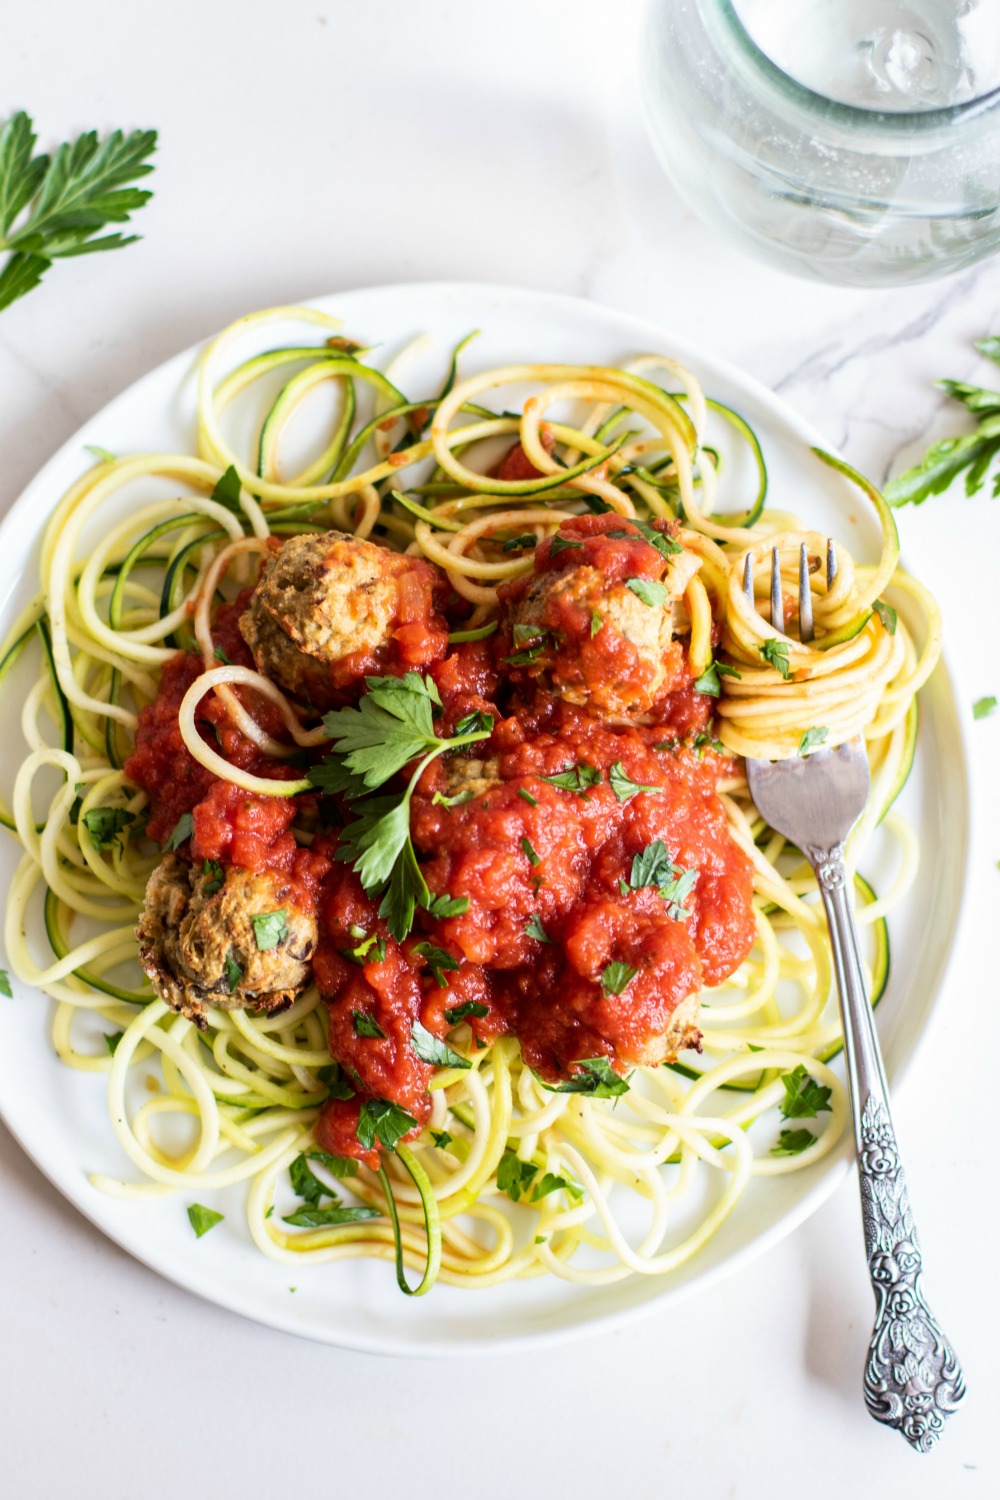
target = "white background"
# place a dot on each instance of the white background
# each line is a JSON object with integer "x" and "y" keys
{"x": 312, "y": 147}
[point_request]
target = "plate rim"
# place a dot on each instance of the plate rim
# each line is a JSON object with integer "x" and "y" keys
{"x": 830, "y": 1172}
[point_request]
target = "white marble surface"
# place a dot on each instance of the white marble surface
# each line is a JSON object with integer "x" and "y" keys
{"x": 317, "y": 146}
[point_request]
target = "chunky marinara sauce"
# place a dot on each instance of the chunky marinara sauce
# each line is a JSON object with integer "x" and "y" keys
{"x": 555, "y": 897}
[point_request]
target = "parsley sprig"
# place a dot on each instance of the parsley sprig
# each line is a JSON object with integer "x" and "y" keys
{"x": 391, "y": 726}
{"x": 972, "y": 454}
{"x": 52, "y": 207}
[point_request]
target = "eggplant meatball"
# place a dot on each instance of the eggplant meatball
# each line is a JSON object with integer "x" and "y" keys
{"x": 330, "y": 608}
{"x": 199, "y": 946}
{"x": 592, "y": 627}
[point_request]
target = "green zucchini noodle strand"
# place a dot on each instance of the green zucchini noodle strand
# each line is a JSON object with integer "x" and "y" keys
{"x": 510, "y": 1178}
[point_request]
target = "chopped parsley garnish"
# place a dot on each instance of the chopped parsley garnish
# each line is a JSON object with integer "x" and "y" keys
{"x": 468, "y": 1008}
{"x": 575, "y": 778}
{"x": 391, "y": 726}
{"x": 529, "y": 853}
{"x": 440, "y": 800}
{"x": 596, "y": 621}
{"x": 624, "y": 787}
{"x": 709, "y": 682}
{"x": 441, "y": 1139}
{"x": 514, "y": 1176}
{"x": 665, "y": 545}
{"x": 371, "y": 950}
{"x": 804, "y": 1097}
{"x": 233, "y": 973}
{"x": 381, "y": 1120}
{"x": 183, "y": 829}
{"x": 533, "y": 640}
{"x": 887, "y": 615}
{"x": 617, "y": 976}
{"x": 813, "y": 738}
{"x": 981, "y": 709}
{"x": 444, "y": 906}
{"x": 5, "y": 988}
{"x": 655, "y": 867}
{"x": 792, "y": 1142}
{"x": 270, "y": 928}
{"x": 561, "y": 544}
{"x": 227, "y": 490}
{"x": 648, "y": 590}
{"x": 112, "y": 1038}
{"x": 431, "y": 1049}
{"x": 597, "y": 1079}
{"x": 335, "y": 1213}
{"x": 203, "y": 1219}
{"x": 523, "y": 792}
{"x": 106, "y": 826}
{"x": 520, "y": 543}
{"x": 775, "y": 653}
{"x": 534, "y": 929}
{"x": 216, "y": 874}
{"x": 476, "y": 723}
{"x": 366, "y": 1025}
{"x": 439, "y": 961}
{"x": 220, "y": 655}
{"x": 332, "y": 1075}
{"x": 76, "y": 805}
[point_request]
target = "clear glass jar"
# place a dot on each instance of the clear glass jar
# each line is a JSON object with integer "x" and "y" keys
{"x": 826, "y": 189}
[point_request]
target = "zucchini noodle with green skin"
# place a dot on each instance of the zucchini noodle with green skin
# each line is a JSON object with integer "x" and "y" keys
{"x": 511, "y": 1177}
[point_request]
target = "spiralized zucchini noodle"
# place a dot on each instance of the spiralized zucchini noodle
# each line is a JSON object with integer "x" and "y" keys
{"x": 132, "y": 560}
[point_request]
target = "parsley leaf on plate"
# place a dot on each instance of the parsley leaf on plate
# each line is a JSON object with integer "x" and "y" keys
{"x": 804, "y": 1097}
{"x": 381, "y": 1120}
{"x": 597, "y": 1078}
{"x": 270, "y": 928}
{"x": 106, "y": 826}
{"x": 203, "y": 1219}
{"x": 813, "y": 738}
{"x": 775, "y": 653}
{"x": 366, "y": 1025}
{"x": 534, "y": 929}
{"x": 575, "y": 778}
{"x": 617, "y": 976}
{"x": 648, "y": 590}
{"x": 468, "y": 1008}
{"x": 182, "y": 829}
{"x": 439, "y": 961}
{"x": 792, "y": 1142}
{"x": 624, "y": 787}
{"x": 983, "y": 707}
{"x": 887, "y": 615}
{"x": 336, "y": 1213}
{"x": 431, "y": 1049}
{"x": 5, "y": 988}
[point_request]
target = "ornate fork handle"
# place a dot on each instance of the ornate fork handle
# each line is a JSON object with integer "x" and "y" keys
{"x": 912, "y": 1376}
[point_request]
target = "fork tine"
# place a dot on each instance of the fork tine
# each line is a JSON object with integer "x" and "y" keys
{"x": 777, "y": 607}
{"x": 806, "y": 630}
{"x": 748, "y": 579}
{"x": 831, "y": 563}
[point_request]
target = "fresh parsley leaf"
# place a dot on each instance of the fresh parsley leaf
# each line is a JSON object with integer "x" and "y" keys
{"x": 527, "y": 849}
{"x": 792, "y": 1142}
{"x": 337, "y": 1166}
{"x": 407, "y": 889}
{"x": 523, "y": 792}
{"x": 654, "y": 866}
{"x": 476, "y": 723}
{"x": 972, "y": 453}
{"x": 104, "y": 454}
{"x": 227, "y": 489}
{"x": 708, "y": 682}
{"x": 112, "y": 1038}
{"x": 617, "y": 976}
{"x": 270, "y": 928}
{"x": 381, "y": 1120}
{"x": 106, "y": 825}
{"x": 431, "y": 1049}
{"x": 220, "y": 655}
{"x": 596, "y": 621}
{"x": 514, "y": 1176}
{"x": 551, "y": 1183}
{"x": 445, "y": 906}
{"x": 887, "y": 615}
{"x": 203, "y": 1219}
{"x": 468, "y": 1008}
{"x": 665, "y": 545}
{"x": 5, "y": 988}
{"x": 813, "y": 738}
{"x": 366, "y": 1025}
{"x": 439, "y": 961}
{"x": 460, "y": 798}
{"x": 233, "y": 973}
{"x": 804, "y": 1097}
{"x": 337, "y": 1213}
{"x": 648, "y": 590}
{"x": 597, "y": 1079}
{"x": 53, "y": 207}
{"x": 983, "y": 707}
{"x": 332, "y": 1075}
{"x": 183, "y": 829}
{"x": 76, "y": 805}
{"x": 216, "y": 874}
{"x": 562, "y": 544}
{"x": 306, "y": 1184}
{"x": 775, "y": 653}
{"x": 624, "y": 787}
{"x": 441, "y": 1139}
{"x": 521, "y": 543}
{"x": 534, "y": 929}
{"x": 575, "y": 778}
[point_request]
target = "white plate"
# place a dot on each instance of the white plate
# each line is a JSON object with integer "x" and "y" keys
{"x": 59, "y": 1115}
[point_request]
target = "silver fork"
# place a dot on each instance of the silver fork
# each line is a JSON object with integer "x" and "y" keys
{"x": 912, "y": 1378}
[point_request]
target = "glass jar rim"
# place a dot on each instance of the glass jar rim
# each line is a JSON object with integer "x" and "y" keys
{"x": 902, "y": 122}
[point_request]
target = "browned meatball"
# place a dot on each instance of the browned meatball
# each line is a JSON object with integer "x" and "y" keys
{"x": 199, "y": 945}
{"x": 330, "y": 608}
